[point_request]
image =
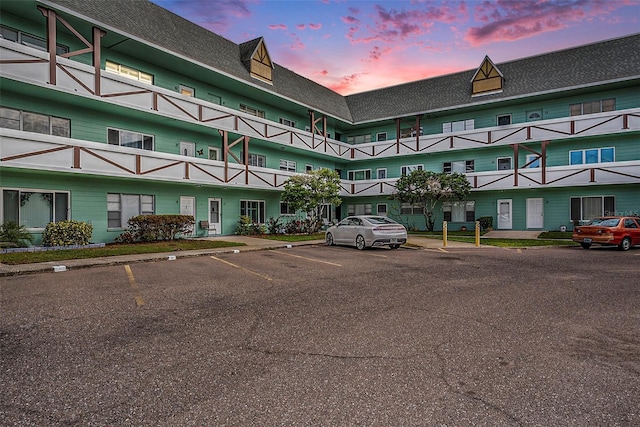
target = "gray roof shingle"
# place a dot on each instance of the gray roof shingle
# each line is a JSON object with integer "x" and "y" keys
{"x": 611, "y": 60}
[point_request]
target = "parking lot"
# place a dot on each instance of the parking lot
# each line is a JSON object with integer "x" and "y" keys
{"x": 317, "y": 335}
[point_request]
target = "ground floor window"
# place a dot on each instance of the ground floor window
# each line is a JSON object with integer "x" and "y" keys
{"x": 459, "y": 211}
{"x": 254, "y": 209}
{"x": 34, "y": 208}
{"x": 361, "y": 209}
{"x": 382, "y": 209}
{"x": 587, "y": 208}
{"x": 121, "y": 207}
{"x": 409, "y": 209}
{"x": 286, "y": 209}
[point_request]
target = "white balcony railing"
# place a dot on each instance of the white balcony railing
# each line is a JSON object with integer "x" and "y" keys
{"x": 76, "y": 78}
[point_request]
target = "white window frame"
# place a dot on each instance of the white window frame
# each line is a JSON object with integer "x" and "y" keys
{"x": 146, "y": 206}
{"x": 599, "y": 103}
{"x": 407, "y": 169}
{"x": 458, "y": 126}
{"x": 54, "y": 123}
{"x": 359, "y": 139}
{"x": 286, "y": 209}
{"x": 502, "y": 116}
{"x": 499, "y": 159}
{"x": 359, "y": 209}
{"x": 122, "y": 132}
{"x": 287, "y": 165}
{"x": 458, "y": 211}
{"x": 24, "y": 199}
{"x": 187, "y": 91}
{"x": 128, "y": 72}
{"x": 257, "y": 160}
{"x": 602, "y": 203}
{"x": 533, "y": 158}
{"x": 409, "y": 209}
{"x": 353, "y": 175}
{"x": 30, "y": 40}
{"x": 382, "y": 209}
{"x": 287, "y": 122}
{"x": 251, "y": 110}
{"x": 583, "y": 155}
{"x": 260, "y": 209}
{"x": 215, "y": 150}
{"x": 381, "y": 173}
{"x": 460, "y": 166}
{"x": 534, "y": 115}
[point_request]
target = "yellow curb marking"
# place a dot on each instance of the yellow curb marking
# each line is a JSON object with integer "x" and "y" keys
{"x": 242, "y": 268}
{"x": 134, "y": 286}
{"x": 309, "y": 259}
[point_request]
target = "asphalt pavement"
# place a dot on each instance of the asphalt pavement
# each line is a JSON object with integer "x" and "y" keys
{"x": 245, "y": 243}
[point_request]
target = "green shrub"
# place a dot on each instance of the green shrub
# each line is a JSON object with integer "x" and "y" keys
{"x": 67, "y": 233}
{"x": 485, "y": 222}
{"x": 14, "y": 235}
{"x": 150, "y": 228}
{"x": 246, "y": 227}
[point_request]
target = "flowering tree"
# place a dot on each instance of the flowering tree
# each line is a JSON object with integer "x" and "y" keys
{"x": 427, "y": 188}
{"x": 311, "y": 193}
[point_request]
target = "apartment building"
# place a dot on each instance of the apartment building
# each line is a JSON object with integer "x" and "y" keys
{"x": 114, "y": 109}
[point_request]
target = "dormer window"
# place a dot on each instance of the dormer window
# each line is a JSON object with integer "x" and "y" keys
{"x": 255, "y": 56}
{"x": 487, "y": 79}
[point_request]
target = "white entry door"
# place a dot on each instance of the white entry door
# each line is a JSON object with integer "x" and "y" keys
{"x": 187, "y": 149}
{"x": 535, "y": 213}
{"x": 215, "y": 220}
{"x": 188, "y": 207}
{"x": 505, "y": 214}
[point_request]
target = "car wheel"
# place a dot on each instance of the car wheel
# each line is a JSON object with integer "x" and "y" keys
{"x": 625, "y": 245}
{"x": 585, "y": 245}
{"x": 360, "y": 243}
{"x": 329, "y": 239}
{"x": 394, "y": 246}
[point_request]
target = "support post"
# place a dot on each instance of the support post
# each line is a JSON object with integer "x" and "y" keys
{"x": 477, "y": 233}
{"x": 444, "y": 234}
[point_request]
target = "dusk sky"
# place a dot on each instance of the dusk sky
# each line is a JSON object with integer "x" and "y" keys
{"x": 355, "y": 46}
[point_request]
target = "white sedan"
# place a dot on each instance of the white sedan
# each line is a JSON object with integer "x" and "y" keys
{"x": 365, "y": 231}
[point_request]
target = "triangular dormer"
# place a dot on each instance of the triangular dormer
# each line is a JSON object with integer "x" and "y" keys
{"x": 255, "y": 56}
{"x": 487, "y": 79}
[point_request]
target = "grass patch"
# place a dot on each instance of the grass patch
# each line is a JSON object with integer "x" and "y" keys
{"x": 514, "y": 243}
{"x": 293, "y": 237}
{"x": 114, "y": 250}
{"x": 555, "y": 235}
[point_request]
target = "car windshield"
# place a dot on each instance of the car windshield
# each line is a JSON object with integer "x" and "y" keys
{"x": 380, "y": 220}
{"x": 605, "y": 222}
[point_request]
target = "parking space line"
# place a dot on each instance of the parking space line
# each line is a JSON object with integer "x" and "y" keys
{"x": 380, "y": 256}
{"x": 308, "y": 259}
{"x": 134, "y": 286}
{"x": 443, "y": 250}
{"x": 241, "y": 268}
{"x": 519, "y": 250}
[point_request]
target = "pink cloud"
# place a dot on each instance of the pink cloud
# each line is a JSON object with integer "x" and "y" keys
{"x": 315, "y": 26}
{"x": 300, "y": 26}
{"x": 277, "y": 27}
{"x": 393, "y": 26}
{"x": 512, "y": 20}
{"x": 215, "y": 16}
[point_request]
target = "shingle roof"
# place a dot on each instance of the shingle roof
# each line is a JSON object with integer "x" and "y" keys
{"x": 610, "y": 60}
{"x": 153, "y": 24}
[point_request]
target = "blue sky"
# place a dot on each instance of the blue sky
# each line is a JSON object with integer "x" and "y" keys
{"x": 355, "y": 46}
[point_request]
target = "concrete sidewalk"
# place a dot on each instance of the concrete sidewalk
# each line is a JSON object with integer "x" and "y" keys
{"x": 245, "y": 243}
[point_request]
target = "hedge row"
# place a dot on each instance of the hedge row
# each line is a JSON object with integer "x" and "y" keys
{"x": 149, "y": 228}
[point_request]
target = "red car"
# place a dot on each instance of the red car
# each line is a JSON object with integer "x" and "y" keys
{"x": 621, "y": 231}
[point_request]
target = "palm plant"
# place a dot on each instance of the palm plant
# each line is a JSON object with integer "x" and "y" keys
{"x": 12, "y": 234}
